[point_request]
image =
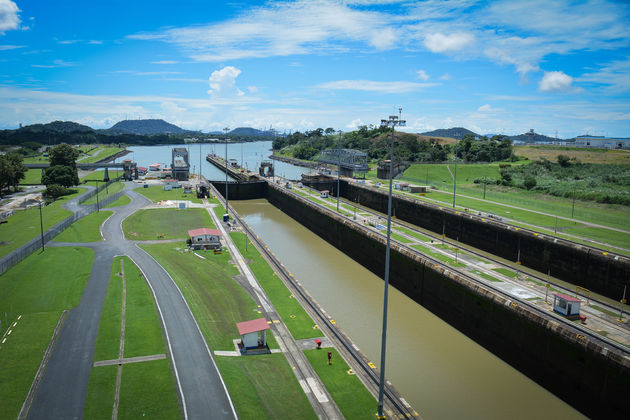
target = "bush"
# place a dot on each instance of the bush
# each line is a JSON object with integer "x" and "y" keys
{"x": 564, "y": 161}
{"x": 529, "y": 182}
{"x": 55, "y": 191}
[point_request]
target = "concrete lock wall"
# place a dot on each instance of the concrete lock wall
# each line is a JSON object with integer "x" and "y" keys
{"x": 577, "y": 369}
{"x": 590, "y": 268}
{"x": 242, "y": 190}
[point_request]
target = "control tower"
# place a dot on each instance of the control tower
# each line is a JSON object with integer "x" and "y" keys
{"x": 180, "y": 166}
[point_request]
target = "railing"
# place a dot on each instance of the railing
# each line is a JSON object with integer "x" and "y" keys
{"x": 31, "y": 246}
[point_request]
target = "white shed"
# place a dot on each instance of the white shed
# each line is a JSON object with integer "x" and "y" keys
{"x": 253, "y": 333}
{"x": 204, "y": 238}
{"x": 566, "y": 305}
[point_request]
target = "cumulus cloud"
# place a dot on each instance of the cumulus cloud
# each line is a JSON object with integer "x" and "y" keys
{"x": 9, "y": 19}
{"x": 556, "y": 81}
{"x": 422, "y": 75}
{"x": 441, "y": 43}
{"x": 223, "y": 82}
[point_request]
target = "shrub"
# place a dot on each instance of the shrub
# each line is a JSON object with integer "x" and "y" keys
{"x": 529, "y": 182}
{"x": 55, "y": 191}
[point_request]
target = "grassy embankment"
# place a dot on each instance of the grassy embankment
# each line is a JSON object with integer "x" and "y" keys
{"x": 112, "y": 189}
{"x": 86, "y": 229}
{"x": 36, "y": 290}
{"x": 167, "y": 223}
{"x": 100, "y": 154}
{"x": 261, "y": 387}
{"x": 502, "y": 200}
{"x": 156, "y": 193}
{"x": 24, "y": 225}
{"x": 147, "y": 388}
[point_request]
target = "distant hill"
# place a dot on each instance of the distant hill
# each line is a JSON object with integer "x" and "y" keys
{"x": 144, "y": 127}
{"x": 455, "y": 132}
{"x": 57, "y": 127}
{"x": 249, "y": 131}
{"x": 536, "y": 138}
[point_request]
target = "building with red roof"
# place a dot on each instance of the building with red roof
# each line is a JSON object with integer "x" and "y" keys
{"x": 253, "y": 336}
{"x": 566, "y": 305}
{"x": 204, "y": 238}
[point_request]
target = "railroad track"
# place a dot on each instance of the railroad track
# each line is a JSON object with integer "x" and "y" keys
{"x": 579, "y": 331}
{"x": 397, "y": 406}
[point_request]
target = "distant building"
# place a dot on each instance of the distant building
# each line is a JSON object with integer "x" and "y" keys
{"x": 204, "y": 238}
{"x": 566, "y": 305}
{"x": 602, "y": 142}
{"x": 180, "y": 165}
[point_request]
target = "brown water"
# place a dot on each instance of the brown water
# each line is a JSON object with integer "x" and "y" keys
{"x": 441, "y": 372}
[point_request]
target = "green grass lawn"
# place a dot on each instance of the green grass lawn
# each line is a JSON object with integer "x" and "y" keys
{"x": 292, "y": 313}
{"x": 487, "y": 276}
{"x": 156, "y": 193}
{"x": 444, "y": 258}
{"x": 216, "y": 300}
{"x": 101, "y": 153}
{"x": 32, "y": 177}
{"x": 264, "y": 387}
{"x": 58, "y": 286}
{"x": 114, "y": 188}
{"x": 143, "y": 329}
{"x": 170, "y": 223}
{"x": 147, "y": 388}
{"x": 261, "y": 386}
{"x": 498, "y": 196}
{"x": 98, "y": 176}
{"x": 506, "y": 272}
{"x": 86, "y": 229}
{"x": 24, "y": 225}
{"x": 400, "y": 238}
{"x": 123, "y": 200}
{"x": 351, "y": 396}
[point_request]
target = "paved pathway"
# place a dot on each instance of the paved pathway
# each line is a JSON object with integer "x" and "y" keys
{"x": 61, "y": 393}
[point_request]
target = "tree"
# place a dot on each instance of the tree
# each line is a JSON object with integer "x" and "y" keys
{"x": 60, "y": 175}
{"x": 529, "y": 182}
{"x": 63, "y": 168}
{"x": 12, "y": 171}
{"x": 55, "y": 191}
{"x": 564, "y": 161}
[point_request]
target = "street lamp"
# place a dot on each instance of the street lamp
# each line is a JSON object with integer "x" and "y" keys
{"x": 338, "y": 167}
{"x": 392, "y": 122}
{"x": 227, "y": 203}
{"x": 455, "y": 177}
{"x": 41, "y": 224}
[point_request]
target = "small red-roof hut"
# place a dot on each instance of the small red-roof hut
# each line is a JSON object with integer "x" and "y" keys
{"x": 566, "y": 305}
{"x": 253, "y": 334}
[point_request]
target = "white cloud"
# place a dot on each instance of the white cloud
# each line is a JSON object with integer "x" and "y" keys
{"x": 373, "y": 86}
{"x": 488, "y": 108}
{"x": 422, "y": 75}
{"x": 315, "y": 26}
{"x": 165, "y": 62}
{"x": 354, "y": 124}
{"x": 10, "y": 47}
{"x": 614, "y": 75}
{"x": 556, "y": 81}
{"x": 438, "y": 42}
{"x": 9, "y": 19}
{"x": 445, "y": 76}
{"x": 223, "y": 82}
{"x": 55, "y": 64}
{"x": 252, "y": 89}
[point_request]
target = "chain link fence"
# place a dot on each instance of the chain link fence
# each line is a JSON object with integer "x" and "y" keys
{"x": 34, "y": 244}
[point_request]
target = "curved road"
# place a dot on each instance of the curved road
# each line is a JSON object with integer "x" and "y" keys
{"x": 62, "y": 390}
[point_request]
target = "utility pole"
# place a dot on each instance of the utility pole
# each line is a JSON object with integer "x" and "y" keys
{"x": 392, "y": 122}
{"x": 455, "y": 177}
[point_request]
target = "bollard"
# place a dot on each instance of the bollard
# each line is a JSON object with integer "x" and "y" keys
{"x": 329, "y": 357}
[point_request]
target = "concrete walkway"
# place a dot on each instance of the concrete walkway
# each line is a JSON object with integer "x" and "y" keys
{"x": 316, "y": 392}
{"x": 62, "y": 391}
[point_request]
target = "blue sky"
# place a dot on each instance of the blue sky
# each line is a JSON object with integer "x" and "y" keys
{"x": 493, "y": 67}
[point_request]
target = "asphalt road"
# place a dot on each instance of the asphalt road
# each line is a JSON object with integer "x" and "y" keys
{"x": 61, "y": 393}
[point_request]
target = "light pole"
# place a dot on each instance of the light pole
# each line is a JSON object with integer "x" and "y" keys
{"x": 455, "y": 176}
{"x": 227, "y": 203}
{"x": 392, "y": 122}
{"x": 41, "y": 224}
{"x": 338, "y": 167}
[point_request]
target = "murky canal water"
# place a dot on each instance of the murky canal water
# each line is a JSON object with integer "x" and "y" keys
{"x": 441, "y": 372}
